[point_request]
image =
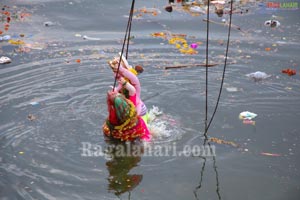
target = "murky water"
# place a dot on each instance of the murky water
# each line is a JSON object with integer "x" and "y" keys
{"x": 68, "y": 77}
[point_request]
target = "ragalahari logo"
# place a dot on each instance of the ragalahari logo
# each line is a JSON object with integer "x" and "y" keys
{"x": 282, "y": 5}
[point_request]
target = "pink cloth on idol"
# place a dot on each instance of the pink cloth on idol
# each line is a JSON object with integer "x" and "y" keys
{"x": 135, "y": 83}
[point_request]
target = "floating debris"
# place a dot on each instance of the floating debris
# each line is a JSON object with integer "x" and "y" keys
{"x": 49, "y": 23}
{"x": 232, "y": 89}
{"x": 179, "y": 41}
{"x": 16, "y": 42}
{"x": 270, "y": 154}
{"x": 197, "y": 9}
{"x": 34, "y": 103}
{"x": 5, "y": 60}
{"x": 267, "y": 49}
{"x": 159, "y": 34}
{"x": 152, "y": 11}
{"x": 272, "y": 23}
{"x": 220, "y": 141}
{"x": 225, "y": 24}
{"x": 289, "y": 71}
{"x": 257, "y": 76}
{"x": 31, "y": 117}
{"x": 182, "y": 46}
{"x": 247, "y": 115}
{"x": 194, "y": 45}
{"x": 90, "y": 38}
{"x": 196, "y": 65}
{"x": 142, "y": 11}
{"x": 217, "y": 2}
{"x": 169, "y": 8}
{"x": 5, "y": 38}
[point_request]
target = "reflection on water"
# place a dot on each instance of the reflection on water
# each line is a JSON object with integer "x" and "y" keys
{"x": 119, "y": 166}
{"x": 218, "y": 185}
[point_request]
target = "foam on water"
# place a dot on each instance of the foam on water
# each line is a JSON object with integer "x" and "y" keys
{"x": 163, "y": 127}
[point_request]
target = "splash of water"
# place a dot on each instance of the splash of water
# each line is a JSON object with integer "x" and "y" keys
{"x": 162, "y": 126}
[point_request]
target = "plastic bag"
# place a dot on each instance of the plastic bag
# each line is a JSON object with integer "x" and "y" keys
{"x": 247, "y": 115}
{"x": 5, "y": 60}
{"x": 257, "y": 76}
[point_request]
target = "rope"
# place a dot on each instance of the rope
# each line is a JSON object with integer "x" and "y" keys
{"x": 206, "y": 71}
{"x": 128, "y": 29}
{"x": 128, "y": 38}
{"x": 224, "y": 69}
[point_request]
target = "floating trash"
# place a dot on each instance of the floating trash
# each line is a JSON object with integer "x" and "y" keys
{"x": 49, "y": 23}
{"x": 289, "y": 71}
{"x": 152, "y": 11}
{"x": 247, "y": 115}
{"x": 257, "y": 76}
{"x": 31, "y": 117}
{"x": 90, "y": 38}
{"x": 197, "y": 9}
{"x": 169, "y": 8}
{"x": 217, "y": 2}
{"x": 5, "y": 38}
{"x": 272, "y": 23}
{"x": 34, "y": 103}
{"x": 5, "y": 60}
{"x": 270, "y": 154}
{"x": 159, "y": 34}
{"x": 143, "y": 11}
{"x": 232, "y": 89}
{"x": 267, "y": 49}
{"x": 181, "y": 44}
{"x": 194, "y": 46}
{"x": 220, "y": 141}
{"x": 16, "y": 42}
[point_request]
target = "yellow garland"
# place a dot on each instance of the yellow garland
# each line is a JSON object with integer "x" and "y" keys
{"x": 184, "y": 48}
{"x": 132, "y": 70}
{"x": 16, "y": 42}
